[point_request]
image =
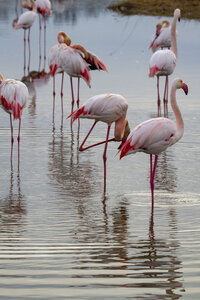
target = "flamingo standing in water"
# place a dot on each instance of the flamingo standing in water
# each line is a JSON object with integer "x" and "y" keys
{"x": 44, "y": 9}
{"x": 63, "y": 58}
{"x": 25, "y": 21}
{"x": 107, "y": 108}
{"x": 91, "y": 60}
{"x": 163, "y": 62}
{"x": 156, "y": 135}
{"x": 13, "y": 99}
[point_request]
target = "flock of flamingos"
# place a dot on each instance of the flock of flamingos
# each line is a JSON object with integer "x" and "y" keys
{"x": 152, "y": 136}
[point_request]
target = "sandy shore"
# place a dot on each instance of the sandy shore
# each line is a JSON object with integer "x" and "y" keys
{"x": 190, "y": 9}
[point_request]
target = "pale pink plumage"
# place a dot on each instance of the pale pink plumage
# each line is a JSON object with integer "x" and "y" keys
{"x": 107, "y": 108}
{"x": 156, "y": 135}
{"x": 162, "y": 37}
{"x": 43, "y": 7}
{"x": 163, "y": 62}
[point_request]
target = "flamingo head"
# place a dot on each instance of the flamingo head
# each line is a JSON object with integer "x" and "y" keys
{"x": 126, "y": 134}
{"x": 179, "y": 84}
{"x": 1, "y": 78}
{"x": 177, "y": 13}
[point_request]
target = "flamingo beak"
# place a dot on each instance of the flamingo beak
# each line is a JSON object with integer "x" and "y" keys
{"x": 185, "y": 88}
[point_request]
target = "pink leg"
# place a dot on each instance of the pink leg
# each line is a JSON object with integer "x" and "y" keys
{"x": 40, "y": 29}
{"x": 29, "y": 50}
{"x": 61, "y": 98}
{"x": 93, "y": 145}
{"x": 12, "y": 139}
{"x": 19, "y": 141}
{"x": 77, "y": 102}
{"x": 54, "y": 95}
{"x": 45, "y": 29}
{"x": 105, "y": 157}
{"x": 165, "y": 97}
{"x": 72, "y": 91}
{"x": 158, "y": 95}
{"x": 24, "y": 52}
{"x": 152, "y": 176}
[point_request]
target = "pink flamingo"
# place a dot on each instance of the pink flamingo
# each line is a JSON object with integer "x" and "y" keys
{"x": 107, "y": 108}
{"x": 63, "y": 58}
{"x": 25, "y": 21}
{"x": 156, "y": 135}
{"x": 13, "y": 99}
{"x": 162, "y": 37}
{"x": 163, "y": 62}
{"x": 44, "y": 9}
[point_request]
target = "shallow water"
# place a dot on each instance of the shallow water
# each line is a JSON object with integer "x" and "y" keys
{"x": 60, "y": 238}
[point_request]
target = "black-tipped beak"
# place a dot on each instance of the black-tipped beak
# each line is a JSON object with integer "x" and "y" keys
{"x": 179, "y": 19}
{"x": 185, "y": 88}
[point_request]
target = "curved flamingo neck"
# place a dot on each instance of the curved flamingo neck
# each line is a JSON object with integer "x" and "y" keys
{"x": 177, "y": 112}
{"x": 34, "y": 6}
{"x": 165, "y": 23}
{"x": 173, "y": 35}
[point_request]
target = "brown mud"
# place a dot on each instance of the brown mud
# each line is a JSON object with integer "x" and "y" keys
{"x": 190, "y": 9}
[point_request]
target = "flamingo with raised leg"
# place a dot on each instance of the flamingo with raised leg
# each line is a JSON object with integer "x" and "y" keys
{"x": 156, "y": 135}
{"x": 13, "y": 99}
{"x": 163, "y": 62}
{"x": 107, "y": 108}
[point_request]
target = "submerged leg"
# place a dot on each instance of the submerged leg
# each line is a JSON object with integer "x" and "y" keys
{"x": 77, "y": 101}
{"x": 105, "y": 157}
{"x": 72, "y": 91}
{"x": 61, "y": 99}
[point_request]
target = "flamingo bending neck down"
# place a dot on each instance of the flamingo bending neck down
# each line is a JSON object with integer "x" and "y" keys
{"x": 162, "y": 38}
{"x": 163, "y": 62}
{"x": 156, "y": 135}
{"x": 13, "y": 99}
{"x": 107, "y": 108}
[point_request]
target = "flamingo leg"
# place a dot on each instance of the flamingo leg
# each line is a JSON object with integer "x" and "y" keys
{"x": 105, "y": 157}
{"x": 96, "y": 144}
{"x": 158, "y": 96}
{"x": 18, "y": 139}
{"x": 72, "y": 91}
{"x": 12, "y": 139}
{"x": 29, "y": 50}
{"x": 45, "y": 29}
{"x": 78, "y": 100}
{"x": 165, "y": 97}
{"x": 152, "y": 175}
{"x": 40, "y": 29}
{"x": 61, "y": 98}
{"x": 54, "y": 96}
{"x": 24, "y": 52}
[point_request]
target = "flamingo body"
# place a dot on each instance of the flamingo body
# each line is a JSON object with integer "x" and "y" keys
{"x": 156, "y": 135}
{"x": 162, "y": 63}
{"x": 26, "y": 20}
{"x": 107, "y": 108}
{"x": 43, "y": 7}
{"x": 73, "y": 64}
{"x": 14, "y": 96}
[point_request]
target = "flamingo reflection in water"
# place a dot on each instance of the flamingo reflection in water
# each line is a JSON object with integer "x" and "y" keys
{"x": 107, "y": 108}
{"x": 13, "y": 99}
{"x": 163, "y": 63}
{"x": 156, "y": 135}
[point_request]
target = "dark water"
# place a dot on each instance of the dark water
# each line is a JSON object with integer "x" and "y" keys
{"x": 60, "y": 238}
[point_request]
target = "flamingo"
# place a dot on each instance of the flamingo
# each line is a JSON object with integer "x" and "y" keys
{"x": 63, "y": 58}
{"x": 107, "y": 108}
{"x": 163, "y": 62}
{"x": 13, "y": 99}
{"x": 156, "y": 135}
{"x": 162, "y": 38}
{"x": 92, "y": 61}
{"x": 44, "y": 9}
{"x": 25, "y": 21}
